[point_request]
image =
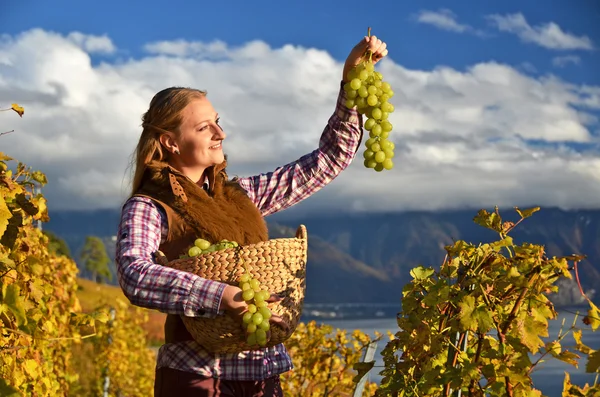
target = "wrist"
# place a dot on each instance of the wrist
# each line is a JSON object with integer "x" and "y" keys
{"x": 232, "y": 299}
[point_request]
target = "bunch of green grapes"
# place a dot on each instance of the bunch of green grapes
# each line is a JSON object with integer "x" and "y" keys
{"x": 367, "y": 91}
{"x": 256, "y": 319}
{"x": 202, "y": 246}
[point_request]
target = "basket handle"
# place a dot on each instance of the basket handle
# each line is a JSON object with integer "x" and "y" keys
{"x": 301, "y": 232}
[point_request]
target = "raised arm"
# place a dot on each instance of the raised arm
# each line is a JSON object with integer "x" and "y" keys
{"x": 340, "y": 140}
{"x": 293, "y": 182}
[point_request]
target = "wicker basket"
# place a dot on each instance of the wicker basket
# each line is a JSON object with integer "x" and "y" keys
{"x": 280, "y": 267}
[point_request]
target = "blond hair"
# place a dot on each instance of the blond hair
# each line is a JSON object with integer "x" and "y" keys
{"x": 162, "y": 116}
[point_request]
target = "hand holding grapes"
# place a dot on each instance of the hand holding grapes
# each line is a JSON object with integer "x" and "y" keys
{"x": 369, "y": 94}
{"x": 371, "y": 43}
{"x": 235, "y": 306}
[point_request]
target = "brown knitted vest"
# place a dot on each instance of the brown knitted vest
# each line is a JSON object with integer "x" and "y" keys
{"x": 224, "y": 211}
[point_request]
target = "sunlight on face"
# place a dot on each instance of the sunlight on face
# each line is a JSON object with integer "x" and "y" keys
{"x": 200, "y": 139}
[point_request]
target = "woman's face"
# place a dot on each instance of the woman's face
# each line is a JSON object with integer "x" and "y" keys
{"x": 200, "y": 136}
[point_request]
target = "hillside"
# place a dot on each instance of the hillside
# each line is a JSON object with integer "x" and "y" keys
{"x": 91, "y": 295}
{"x": 367, "y": 258}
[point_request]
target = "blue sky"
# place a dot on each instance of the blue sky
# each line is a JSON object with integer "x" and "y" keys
{"x": 499, "y": 102}
{"x": 330, "y": 25}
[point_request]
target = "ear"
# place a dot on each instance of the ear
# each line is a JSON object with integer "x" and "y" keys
{"x": 168, "y": 142}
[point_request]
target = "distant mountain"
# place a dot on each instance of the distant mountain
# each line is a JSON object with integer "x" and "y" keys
{"x": 397, "y": 242}
{"x": 367, "y": 258}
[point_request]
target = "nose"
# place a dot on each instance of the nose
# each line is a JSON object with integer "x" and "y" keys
{"x": 219, "y": 133}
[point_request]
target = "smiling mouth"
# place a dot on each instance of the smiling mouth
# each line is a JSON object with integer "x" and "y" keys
{"x": 217, "y": 146}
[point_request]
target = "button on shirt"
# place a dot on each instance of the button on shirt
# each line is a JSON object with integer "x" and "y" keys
{"x": 143, "y": 227}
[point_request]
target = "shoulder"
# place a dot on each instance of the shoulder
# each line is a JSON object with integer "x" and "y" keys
{"x": 142, "y": 206}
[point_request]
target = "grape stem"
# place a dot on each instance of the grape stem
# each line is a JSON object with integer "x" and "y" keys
{"x": 369, "y": 51}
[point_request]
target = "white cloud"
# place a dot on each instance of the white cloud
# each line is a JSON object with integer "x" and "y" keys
{"x": 563, "y": 61}
{"x": 92, "y": 44}
{"x": 548, "y": 35}
{"x": 183, "y": 48}
{"x": 444, "y": 19}
{"x": 463, "y": 138}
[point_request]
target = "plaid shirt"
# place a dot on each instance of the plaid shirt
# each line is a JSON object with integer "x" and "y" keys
{"x": 143, "y": 227}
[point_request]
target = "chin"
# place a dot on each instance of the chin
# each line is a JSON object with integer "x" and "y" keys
{"x": 219, "y": 159}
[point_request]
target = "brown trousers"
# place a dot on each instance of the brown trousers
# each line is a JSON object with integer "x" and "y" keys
{"x": 173, "y": 383}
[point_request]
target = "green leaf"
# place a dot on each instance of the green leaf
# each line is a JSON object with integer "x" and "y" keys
{"x": 421, "y": 273}
{"x": 101, "y": 316}
{"x": 528, "y": 212}
{"x": 484, "y": 320}
{"x": 4, "y": 157}
{"x": 467, "y": 306}
{"x": 39, "y": 177}
{"x": 593, "y": 363}
{"x": 505, "y": 242}
{"x": 7, "y": 390}
{"x": 489, "y": 220}
{"x": 14, "y": 302}
{"x": 569, "y": 358}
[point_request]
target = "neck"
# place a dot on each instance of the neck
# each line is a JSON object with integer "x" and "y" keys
{"x": 195, "y": 174}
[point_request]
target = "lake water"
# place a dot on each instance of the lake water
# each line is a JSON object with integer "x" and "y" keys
{"x": 549, "y": 375}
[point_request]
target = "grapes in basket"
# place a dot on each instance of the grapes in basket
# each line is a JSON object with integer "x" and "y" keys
{"x": 202, "y": 246}
{"x": 256, "y": 319}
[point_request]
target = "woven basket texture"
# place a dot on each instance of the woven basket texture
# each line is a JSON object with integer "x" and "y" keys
{"x": 280, "y": 267}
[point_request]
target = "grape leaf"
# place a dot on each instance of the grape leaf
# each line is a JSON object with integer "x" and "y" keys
{"x": 362, "y": 368}
{"x": 27, "y": 205}
{"x": 593, "y": 317}
{"x": 483, "y": 317}
{"x": 534, "y": 393}
{"x": 39, "y": 177}
{"x": 505, "y": 242}
{"x": 4, "y": 157}
{"x": 19, "y": 109}
{"x": 42, "y": 214}
{"x": 36, "y": 289}
{"x": 31, "y": 367}
{"x": 101, "y": 316}
{"x": 593, "y": 364}
{"x": 569, "y": 358}
{"x": 14, "y": 302}
{"x": 529, "y": 331}
{"x": 489, "y": 220}
{"x": 467, "y": 306}
{"x": 5, "y": 214}
{"x": 579, "y": 344}
{"x": 7, "y": 390}
{"x": 528, "y": 212}
{"x": 421, "y": 273}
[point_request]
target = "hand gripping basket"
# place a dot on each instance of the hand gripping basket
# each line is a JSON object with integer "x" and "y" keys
{"x": 280, "y": 267}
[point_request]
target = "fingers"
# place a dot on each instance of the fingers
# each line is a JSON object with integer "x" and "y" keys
{"x": 274, "y": 298}
{"x": 377, "y": 47}
{"x": 275, "y": 319}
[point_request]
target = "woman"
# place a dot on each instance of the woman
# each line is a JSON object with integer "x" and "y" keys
{"x": 181, "y": 192}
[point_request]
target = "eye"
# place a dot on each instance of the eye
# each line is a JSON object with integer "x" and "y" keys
{"x": 218, "y": 120}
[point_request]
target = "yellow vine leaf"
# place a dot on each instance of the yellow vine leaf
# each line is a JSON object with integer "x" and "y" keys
{"x": 5, "y": 214}
{"x": 19, "y": 109}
